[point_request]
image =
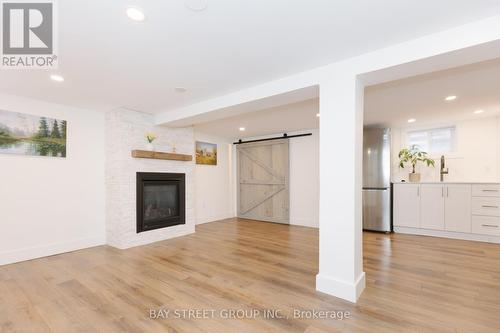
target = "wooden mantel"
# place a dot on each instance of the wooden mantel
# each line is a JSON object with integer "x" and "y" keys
{"x": 161, "y": 155}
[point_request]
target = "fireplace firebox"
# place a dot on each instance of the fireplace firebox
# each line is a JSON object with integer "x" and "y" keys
{"x": 160, "y": 200}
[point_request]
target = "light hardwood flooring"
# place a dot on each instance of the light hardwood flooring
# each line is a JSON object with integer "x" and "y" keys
{"x": 414, "y": 284}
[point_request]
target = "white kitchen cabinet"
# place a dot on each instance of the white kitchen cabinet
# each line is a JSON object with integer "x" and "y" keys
{"x": 486, "y": 206}
{"x": 486, "y": 225}
{"x": 457, "y": 207}
{"x": 486, "y": 190}
{"x": 407, "y": 205}
{"x": 432, "y": 206}
{"x": 454, "y": 210}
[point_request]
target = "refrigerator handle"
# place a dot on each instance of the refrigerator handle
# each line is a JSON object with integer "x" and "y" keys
{"x": 418, "y": 191}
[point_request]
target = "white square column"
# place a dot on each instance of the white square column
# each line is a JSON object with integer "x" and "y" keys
{"x": 340, "y": 227}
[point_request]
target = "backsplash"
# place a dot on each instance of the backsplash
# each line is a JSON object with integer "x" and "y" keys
{"x": 476, "y": 157}
{"x": 460, "y": 170}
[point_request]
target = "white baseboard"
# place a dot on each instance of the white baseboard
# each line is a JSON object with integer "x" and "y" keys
{"x": 341, "y": 289}
{"x": 447, "y": 234}
{"x": 10, "y": 257}
{"x": 304, "y": 222}
{"x": 213, "y": 218}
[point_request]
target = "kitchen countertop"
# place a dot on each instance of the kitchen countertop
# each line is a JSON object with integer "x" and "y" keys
{"x": 446, "y": 182}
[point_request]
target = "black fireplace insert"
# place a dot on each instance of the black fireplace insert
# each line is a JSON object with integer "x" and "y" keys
{"x": 161, "y": 200}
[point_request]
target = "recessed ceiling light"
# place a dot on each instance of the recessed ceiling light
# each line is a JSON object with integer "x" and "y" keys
{"x": 242, "y": 129}
{"x": 412, "y": 120}
{"x": 317, "y": 115}
{"x": 450, "y": 98}
{"x": 57, "y": 78}
{"x": 180, "y": 89}
{"x": 478, "y": 111}
{"x": 135, "y": 14}
{"x": 196, "y": 5}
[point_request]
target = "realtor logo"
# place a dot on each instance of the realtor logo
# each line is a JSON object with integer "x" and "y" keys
{"x": 28, "y": 34}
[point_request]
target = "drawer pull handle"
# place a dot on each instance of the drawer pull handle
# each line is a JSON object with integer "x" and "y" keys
{"x": 489, "y": 225}
{"x": 490, "y": 190}
{"x": 488, "y": 206}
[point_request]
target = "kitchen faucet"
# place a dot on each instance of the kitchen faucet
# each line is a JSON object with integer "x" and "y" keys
{"x": 443, "y": 171}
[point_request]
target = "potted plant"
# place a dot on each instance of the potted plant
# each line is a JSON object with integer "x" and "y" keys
{"x": 412, "y": 156}
{"x": 150, "y": 137}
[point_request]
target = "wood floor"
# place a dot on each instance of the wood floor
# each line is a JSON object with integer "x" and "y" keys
{"x": 414, "y": 284}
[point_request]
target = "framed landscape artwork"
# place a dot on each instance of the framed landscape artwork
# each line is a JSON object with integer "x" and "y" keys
{"x": 206, "y": 153}
{"x": 26, "y": 134}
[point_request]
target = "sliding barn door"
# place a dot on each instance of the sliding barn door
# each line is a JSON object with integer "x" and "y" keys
{"x": 263, "y": 191}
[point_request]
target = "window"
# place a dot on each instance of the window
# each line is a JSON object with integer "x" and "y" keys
{"x": 436, "y": 140}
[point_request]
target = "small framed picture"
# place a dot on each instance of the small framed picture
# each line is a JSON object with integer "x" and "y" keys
{"x": 206, "y": 153}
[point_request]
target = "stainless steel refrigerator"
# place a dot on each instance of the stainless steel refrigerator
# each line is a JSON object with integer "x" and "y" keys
{"x": 377, "y": 179}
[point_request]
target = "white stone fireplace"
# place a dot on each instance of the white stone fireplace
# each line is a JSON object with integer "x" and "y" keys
{"x": 125, "y": 131}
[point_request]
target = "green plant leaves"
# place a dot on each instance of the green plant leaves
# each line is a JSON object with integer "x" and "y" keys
{"x": 413, "y": 155}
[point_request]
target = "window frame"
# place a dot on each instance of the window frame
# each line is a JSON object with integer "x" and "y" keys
{"x": 429, "y": 131}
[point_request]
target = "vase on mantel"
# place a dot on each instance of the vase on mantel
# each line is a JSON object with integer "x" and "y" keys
{"x": 150, "y": 138}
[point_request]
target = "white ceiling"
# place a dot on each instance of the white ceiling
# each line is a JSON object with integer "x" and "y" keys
{"x": 390, "y": 104}
{"x": 109, "y": 61}
{"x": 276, "y": 120}
{"x": 268, "y": 102}
{"x": 422, "y": 97}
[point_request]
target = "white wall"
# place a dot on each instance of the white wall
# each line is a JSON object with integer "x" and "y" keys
{"x": 498, "y": 148}
{"x": 304, "y": 180}
{"x": 304, "y": 177}
{"x": 476, "y": 158}
{"x": 53, "y": 205}
{"x": 214, "y": 194}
